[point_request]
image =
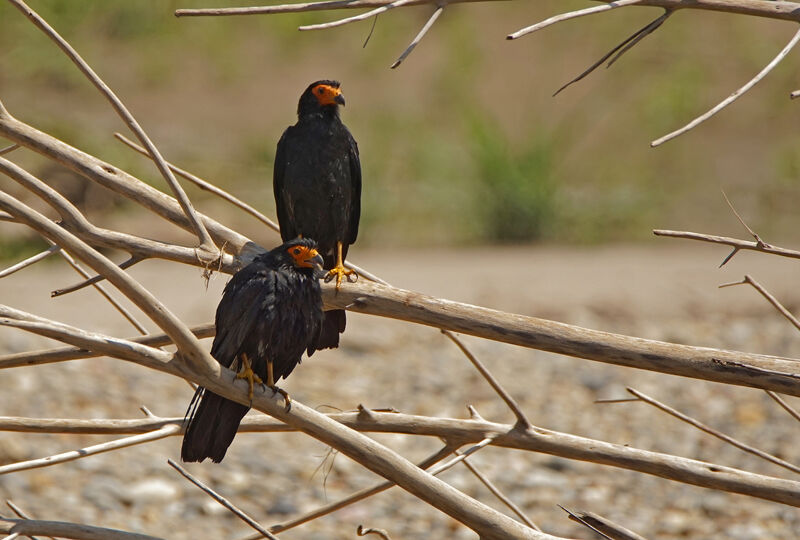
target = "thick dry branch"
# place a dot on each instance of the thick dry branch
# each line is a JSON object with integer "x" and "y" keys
{"x": 459, "y": 431}
{"x": 61, "y": 354}
{"x": 731, "y": 367}
{"x": 788, "y": 11}
{"x": 206, "y": 246}
{"x": 74, "y": 221}
{"x": 733, "y": 242}
{"x": 99, "y": 343}
{"x": 187, "y": 344}
{"x": 113, "y": 178}
{"x": 63, "y": 529}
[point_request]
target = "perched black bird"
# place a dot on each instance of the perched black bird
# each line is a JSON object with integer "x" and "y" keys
{"x": 270, "y": 312}
{"x": 317, "y": 184}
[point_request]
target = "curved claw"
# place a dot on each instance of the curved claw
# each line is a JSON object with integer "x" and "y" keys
{"x": 286, "y": 399}
{"x": 340, "y": 272}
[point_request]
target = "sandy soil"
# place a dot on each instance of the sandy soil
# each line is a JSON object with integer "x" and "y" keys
{"x": 666, "y": 291}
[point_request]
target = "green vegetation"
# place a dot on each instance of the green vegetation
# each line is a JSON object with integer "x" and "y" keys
{"x": 462, "y": 144}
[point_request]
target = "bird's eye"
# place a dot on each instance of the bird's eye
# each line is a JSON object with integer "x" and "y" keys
{"x": 320, "y": 90}
{"x": 296, "y": 251}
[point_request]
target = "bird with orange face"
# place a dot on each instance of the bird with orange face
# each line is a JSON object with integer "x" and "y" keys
{"x": 317, "y": 187}
{"x": 269, "y": 315}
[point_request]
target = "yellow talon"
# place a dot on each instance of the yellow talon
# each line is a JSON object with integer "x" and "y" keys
{"x": 339, "y": 271}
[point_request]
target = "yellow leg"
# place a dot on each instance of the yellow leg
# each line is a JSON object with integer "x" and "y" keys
{"x": 246, "y": 372}
{"x": 339, "y": 271}
{"x": 281, "y": 391}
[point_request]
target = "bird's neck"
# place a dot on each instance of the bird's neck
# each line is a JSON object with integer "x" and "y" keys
{"x": 327, "y": 115}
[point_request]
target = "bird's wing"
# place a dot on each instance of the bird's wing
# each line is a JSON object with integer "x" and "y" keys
{"x": 249, "y": 299}
{"x": 278, "y": 170}
{"x": 355, "y": 179}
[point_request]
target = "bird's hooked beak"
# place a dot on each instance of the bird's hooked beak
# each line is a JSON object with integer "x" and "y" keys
{"x": 315, "y": 261}
{"x": 339, "y": 99}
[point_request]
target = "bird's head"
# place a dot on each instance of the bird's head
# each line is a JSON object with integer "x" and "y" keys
{"x": 321, "y": 96}
{"x": 301, "y": 254}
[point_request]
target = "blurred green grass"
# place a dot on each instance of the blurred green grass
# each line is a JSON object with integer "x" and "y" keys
{"x": 463, "y": 144}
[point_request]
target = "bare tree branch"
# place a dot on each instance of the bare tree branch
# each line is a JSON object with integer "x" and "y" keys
{"x": 29, "y": 261}
{"x": 61, "y": 354}
{"x": 461, "y": 432}
{"x": 114, "y": 179}
{"x": 788, "y": 408}
{"x": 72, "y": 455}
{"x": 188, "y": 345}
{"x": 770, "y": 298}
{"x": 571, "y": 15}
{"x": 733, "y": 97}
{"x": 788, "y": 11}
{"x": 744, "y": 369}
{"x": 734, "y": 242}
{"x": 63, "y": 529}
{"x": 414, "y": 42}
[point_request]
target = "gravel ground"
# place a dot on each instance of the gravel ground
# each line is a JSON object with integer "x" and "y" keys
{"x": 663, "y": 291}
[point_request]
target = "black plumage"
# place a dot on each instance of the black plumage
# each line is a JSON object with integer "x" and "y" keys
{"x": 270, "y": 312}
{"x": 317, "y": 186}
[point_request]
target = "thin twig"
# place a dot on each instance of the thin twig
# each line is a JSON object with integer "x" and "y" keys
{"x": 355, "y": 497}
{"x": 205, "y": 185}
{"x": 414, "y": 42}
{"x": 620, "y": 49}
{"x": 780, "y": 401}
{"x": 769, "y": 297}
{"x": 575, "y": 517}
{"x": 125, "y": 312}
{"x": 603, "y": 526}
{"x": 522, "y": 420}
{"x": 362, "y": 531}
{"x": 29, "y": 261}
{"x": 360, "y": 17}
{"x": 733, "y": 97}
{"x": 499, "y": 494}
{"x": 757, "y": 238}
{"x": 711, "y": 431}
{"x": 734, "y": 242}
{"x": 94, "y": 280}
{"x": 223, "y": 501}
{"x": 8, "y": 149}
{"x": 207, "y": 247}
{"x": 18, "y": 511}
{"x": 72, "y": 455}
{"x": 571, "y": 15}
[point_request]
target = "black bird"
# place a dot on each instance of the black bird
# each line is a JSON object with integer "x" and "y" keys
{"x": 317, "y": 185}
{"x": 270, "y": 312}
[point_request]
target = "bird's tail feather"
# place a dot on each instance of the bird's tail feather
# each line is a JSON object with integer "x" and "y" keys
{"x": 332, "y": 325}
{"x": 213, "y": 423}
